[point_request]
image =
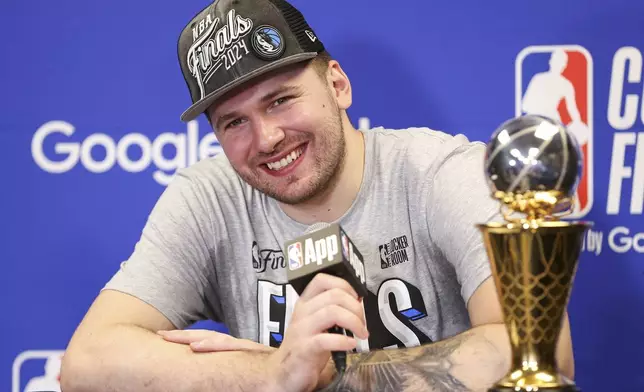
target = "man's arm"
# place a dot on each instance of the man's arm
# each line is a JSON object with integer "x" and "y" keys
{"x": 165, "y": 284}
{"x": 471, "y": 361}
{"x": 116, "y": 348}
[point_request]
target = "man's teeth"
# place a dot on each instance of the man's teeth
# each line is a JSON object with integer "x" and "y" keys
{"x": 285, "y": 161}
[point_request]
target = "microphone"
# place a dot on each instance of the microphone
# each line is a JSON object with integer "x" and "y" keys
{"x": 326, "y": 248}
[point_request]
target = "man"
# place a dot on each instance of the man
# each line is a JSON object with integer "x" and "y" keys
{"x": 211, "y": 248}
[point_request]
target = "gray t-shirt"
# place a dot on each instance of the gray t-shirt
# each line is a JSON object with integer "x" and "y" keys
{"x": 212, "y": 246}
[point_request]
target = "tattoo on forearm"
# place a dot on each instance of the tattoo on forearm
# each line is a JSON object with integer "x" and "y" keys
{"x": 424, "y": 368}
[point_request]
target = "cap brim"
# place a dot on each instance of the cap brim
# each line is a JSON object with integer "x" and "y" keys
{"x": 199, "y": 107}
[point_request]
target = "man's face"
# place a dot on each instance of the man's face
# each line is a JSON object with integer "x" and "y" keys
{"x": 283, "y": 134}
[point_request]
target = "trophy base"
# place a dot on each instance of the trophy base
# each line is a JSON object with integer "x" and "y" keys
{"x": 563, "y": 388}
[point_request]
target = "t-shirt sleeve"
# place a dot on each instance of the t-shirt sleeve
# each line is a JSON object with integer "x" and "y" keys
{"x": 171, "y": 264}
{"x": 459, "y": 200}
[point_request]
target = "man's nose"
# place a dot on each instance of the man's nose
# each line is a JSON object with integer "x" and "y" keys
{"x": 268, "y": 135}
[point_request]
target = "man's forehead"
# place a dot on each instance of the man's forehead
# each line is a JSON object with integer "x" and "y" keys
{"x": 256, "y": 88}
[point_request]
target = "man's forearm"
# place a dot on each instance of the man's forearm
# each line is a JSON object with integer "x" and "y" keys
{"x": 471, "y": 361}
{"x": 127, "y": 358}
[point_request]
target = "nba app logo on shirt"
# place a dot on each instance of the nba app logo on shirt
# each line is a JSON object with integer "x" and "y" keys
{"x": 556, "y": 82}
{"x": 35, "y": 371}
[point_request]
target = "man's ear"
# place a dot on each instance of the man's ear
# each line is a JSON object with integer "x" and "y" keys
{"x": 340, "y": 85}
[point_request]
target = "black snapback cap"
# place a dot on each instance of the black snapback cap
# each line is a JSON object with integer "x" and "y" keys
{"x": 233, "y": 41}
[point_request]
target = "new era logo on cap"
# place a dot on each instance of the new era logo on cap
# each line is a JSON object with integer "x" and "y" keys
{"x": 233, "y": 41}
{"x": 311, "y": 35}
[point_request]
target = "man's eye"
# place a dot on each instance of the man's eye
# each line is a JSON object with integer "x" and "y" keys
{"x": 280, "y": 101}
{"x": 234, "y": 123}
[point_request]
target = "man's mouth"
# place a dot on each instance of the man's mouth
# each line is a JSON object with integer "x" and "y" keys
{"x": 287, "y": 161}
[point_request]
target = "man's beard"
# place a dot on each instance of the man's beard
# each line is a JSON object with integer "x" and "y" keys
{"x": 330, "y": 150}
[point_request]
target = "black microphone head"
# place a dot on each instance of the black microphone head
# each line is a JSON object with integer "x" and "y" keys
{"x": 324, "y": 248}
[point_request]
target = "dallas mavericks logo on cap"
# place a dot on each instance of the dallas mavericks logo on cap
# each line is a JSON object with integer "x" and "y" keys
{"x": 267, "y": 42}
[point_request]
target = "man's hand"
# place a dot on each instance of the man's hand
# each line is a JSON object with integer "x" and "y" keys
{"x": 303, "y": 361}
{"x": 202, "y": 340}
{"x": 206, "y": 341}
{"x": 306, "y": 349}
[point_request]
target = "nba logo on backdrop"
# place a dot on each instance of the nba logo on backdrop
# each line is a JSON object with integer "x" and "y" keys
{"x": 35, "y": 371}
{"x": 557, "y": 82}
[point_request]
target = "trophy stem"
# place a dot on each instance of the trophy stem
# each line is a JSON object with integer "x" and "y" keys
{"x": 534, "y": 267}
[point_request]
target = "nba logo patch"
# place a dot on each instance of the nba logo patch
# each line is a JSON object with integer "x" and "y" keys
{"x": 35, "y": 371}
{"x": 295, "y": 256}
{"x": 557, "y": 82}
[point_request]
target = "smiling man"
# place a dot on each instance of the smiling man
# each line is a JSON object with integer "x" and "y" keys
{"x": 408, "y": 198}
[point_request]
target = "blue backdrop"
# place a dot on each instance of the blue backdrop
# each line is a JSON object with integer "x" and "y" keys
{"x": 83, "y": 80}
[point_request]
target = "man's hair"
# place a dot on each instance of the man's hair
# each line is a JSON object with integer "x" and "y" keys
{"x": 321, "y": 64}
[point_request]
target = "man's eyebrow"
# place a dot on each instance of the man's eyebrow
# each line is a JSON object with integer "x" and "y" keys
{"x": 284, "y": 89}
{"x": 225, "y": 117}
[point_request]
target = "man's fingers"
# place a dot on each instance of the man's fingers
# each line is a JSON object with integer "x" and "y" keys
{"x": 231, "y": 344}
{"x": 211, "y": 341}
{"x": 326, "y": 342}
{"x": 333, "y": 315}
{"x": 323, "y": 282}
{"x": 333, "y": 297}
{"x": 187, "y": 336}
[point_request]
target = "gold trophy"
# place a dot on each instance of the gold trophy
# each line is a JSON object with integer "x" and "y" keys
{"x": 533, "y": 166}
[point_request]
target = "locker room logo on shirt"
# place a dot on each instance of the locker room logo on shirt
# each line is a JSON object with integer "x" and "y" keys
{"x": 394, "y": 252}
